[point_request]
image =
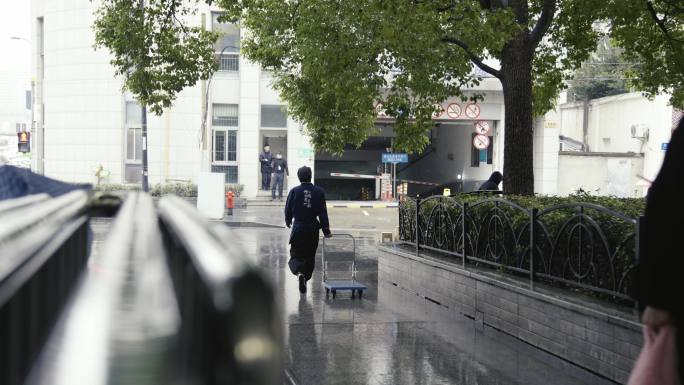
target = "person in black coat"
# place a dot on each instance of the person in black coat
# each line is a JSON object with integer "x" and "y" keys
{"x": 492, "y": 184}
{"x": 307, "y": 208}
{"x": 659, "y": 283}
{"x": 266, "y": 158}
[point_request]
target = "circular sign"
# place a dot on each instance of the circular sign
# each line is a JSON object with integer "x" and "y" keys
{"x": 482, "y": 127}
{"x": 481, "y": 142}
{"x": 380, "y": 110}
{"x": 472, "y": 111}
{"x": 439, "y": 110}
{"x": 453, "y": 110}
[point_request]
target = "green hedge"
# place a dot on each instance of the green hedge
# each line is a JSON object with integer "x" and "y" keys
{"x": 611, "y": 269}
{"x": 186, "y": 190}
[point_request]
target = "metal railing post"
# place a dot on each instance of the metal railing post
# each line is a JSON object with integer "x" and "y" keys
{"x": 533, "y": 220}
{"x": 464, "y": 231}
{"x": 417, "y": 223}
{"x": 638, "y": 230}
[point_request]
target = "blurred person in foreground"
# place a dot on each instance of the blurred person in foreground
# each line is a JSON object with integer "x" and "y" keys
{"x": 306, "y": 206}
{"x": 659, "y": 285}
{"x": 492, "y": 184}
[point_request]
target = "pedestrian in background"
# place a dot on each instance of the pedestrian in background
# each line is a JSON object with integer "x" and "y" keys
{"x": 266, "y": 159}
{"x": 492, "y": 184}
{"x": 307, "y": 214}
{"x": 658, "y": 281}
{"x": 279, "y": 172}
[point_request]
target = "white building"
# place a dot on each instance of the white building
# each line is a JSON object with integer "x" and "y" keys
{"x": 15, "y": 82}
{"x": 610, "y": 146}
{"x": 84, "y": 119}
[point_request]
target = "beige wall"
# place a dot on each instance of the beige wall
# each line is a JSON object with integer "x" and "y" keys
{"x": 600, "y": 174}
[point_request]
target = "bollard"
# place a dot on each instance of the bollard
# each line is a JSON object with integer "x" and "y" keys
{"x": 229, "y": 202}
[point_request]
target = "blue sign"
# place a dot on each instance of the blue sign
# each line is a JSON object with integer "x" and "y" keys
{"x": 397, "y": 157}
{"x": 663, "y": 146}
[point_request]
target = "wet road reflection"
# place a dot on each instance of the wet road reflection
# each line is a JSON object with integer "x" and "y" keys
{"x": 392, "y": 336}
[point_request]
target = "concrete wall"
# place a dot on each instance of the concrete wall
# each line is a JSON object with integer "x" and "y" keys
{"x": 610, "y": 119}
{"x": 601, "y": 174}
{"x": 597, "y": 338}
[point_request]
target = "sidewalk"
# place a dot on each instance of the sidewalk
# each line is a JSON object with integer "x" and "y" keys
{"x": 391, "y": 336}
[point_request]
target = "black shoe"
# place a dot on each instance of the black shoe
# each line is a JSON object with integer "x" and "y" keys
{"x": 302, "y": 283}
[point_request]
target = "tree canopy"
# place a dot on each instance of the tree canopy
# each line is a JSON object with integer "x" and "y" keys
{"x": 652, "y": 34}
{"x": 605, "y": 73}
{"x": 333, "y": 60}
{"x": 153, "y": 49}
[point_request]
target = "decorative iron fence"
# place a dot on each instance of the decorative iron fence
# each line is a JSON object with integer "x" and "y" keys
{"x": 577, "y": 245}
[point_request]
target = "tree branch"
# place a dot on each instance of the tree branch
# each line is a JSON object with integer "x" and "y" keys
{"x": 544, "y": 22}
{"x": 668, "y": 37}
{"x": 474, "y": 58}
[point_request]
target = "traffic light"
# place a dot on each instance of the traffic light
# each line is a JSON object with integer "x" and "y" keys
{"x": 24, "y": 141}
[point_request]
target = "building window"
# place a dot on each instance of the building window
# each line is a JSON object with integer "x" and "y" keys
{"x": 225, "y": 145}
{"x": 478, "y": 156}
{"x": 229, "y": 62}
{"x": 224, "y": 115}
{"x": 225, "y": 125}
{"x": 273, "y": 116}
{"x": 231, "y": 172}
{"x": 227, "y": 46}
{"x": 133, "y": 166}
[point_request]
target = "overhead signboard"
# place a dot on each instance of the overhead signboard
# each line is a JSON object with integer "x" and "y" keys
{"x": 396, "y": 157}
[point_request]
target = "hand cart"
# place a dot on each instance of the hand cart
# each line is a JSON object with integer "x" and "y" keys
{"x": 339, "y": 266}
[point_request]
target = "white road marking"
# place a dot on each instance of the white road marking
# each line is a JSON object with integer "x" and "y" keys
{"x": 365, "y": 213}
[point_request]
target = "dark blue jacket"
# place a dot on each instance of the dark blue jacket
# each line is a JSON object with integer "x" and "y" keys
{"x": 306, "y": 206}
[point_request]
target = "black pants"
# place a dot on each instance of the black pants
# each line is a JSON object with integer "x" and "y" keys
{"x": 303, "y": 253}
{"x": 278, "y": 179}
{"x": 265, "y": 180}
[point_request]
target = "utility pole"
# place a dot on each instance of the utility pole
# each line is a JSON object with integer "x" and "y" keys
{"x": 143, "y": 121}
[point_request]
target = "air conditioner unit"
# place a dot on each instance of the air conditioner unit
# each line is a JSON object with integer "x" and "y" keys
{"x": 639, "y": 131}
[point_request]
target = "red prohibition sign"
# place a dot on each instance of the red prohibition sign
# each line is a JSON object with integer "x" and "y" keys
{"x": 482, "y": 127}
{"x": 439, "y": 110}
{"x": 380, "y": 109}
{"x": 453, "y": 110}
{"x": 481, "y": 142}
{"x": 472, "y": 111}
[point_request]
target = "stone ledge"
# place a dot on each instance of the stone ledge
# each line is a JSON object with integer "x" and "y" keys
{"x": 605, "y": 341}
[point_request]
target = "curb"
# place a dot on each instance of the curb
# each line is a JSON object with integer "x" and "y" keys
{"x": 362, "y": 206}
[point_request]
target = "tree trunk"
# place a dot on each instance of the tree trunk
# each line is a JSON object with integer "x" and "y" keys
{"x": 516, "y": 79}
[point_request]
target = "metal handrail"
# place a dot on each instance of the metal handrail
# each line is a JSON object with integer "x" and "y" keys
{"x": 43, "y": 248}
{"x": 23, "y": 202}
{"x": 120, "y": 326}
{"x": 230, "y": 329}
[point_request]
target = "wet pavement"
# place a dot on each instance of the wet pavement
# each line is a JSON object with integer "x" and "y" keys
{"x": 391, "y": 336}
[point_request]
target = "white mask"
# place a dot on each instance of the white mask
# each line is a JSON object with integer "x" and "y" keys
{"x": 279, "y": 156}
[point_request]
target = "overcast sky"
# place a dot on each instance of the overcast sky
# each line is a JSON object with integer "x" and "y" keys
{"x": 15, "y": 20}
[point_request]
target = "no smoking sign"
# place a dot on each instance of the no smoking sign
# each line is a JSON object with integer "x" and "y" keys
{"x": 481, "y": 141}
{"x": 472, "y": 111}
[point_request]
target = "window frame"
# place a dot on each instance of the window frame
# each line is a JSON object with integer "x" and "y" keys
{"x": 229, "y": 52}
{"x": 225, "y": 129}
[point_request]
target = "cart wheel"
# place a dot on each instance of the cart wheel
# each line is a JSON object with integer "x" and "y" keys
{"x": 353, "y": 294}
{"x": 334, "y": 293}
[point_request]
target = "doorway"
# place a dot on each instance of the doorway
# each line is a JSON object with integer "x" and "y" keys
{"x": 277, "y": 139}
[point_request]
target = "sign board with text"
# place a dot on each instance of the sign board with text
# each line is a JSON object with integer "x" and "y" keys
{"x": 396, "y": 157}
